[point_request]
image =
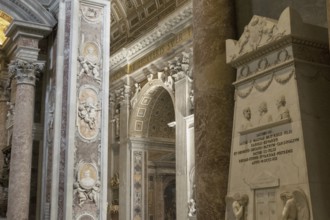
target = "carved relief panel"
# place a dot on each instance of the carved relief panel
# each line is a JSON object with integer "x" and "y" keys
{"x": 276, "y": 89}
{"x": 91, "y": 111}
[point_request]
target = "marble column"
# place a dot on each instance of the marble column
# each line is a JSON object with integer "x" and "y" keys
{"x": 213, "y": 22}
{"x": 21, "y": 151}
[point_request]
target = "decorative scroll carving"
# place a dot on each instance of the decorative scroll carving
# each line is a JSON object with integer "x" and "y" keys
{"x": 87, "y": 185}
{"x": 25, "y": 72}
{"x": 295, "y": 205}
{"x": 237, "y": 206}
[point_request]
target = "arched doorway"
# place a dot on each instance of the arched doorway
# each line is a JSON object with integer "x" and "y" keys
{"x": 153, "y": 187}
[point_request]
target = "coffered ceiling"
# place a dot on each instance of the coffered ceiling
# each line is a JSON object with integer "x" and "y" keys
{"x": 132, "y": 18}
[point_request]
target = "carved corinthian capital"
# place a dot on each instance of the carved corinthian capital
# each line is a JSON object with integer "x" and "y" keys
{"x": 25, "y": 72}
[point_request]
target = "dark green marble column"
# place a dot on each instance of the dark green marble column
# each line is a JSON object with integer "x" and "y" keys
{"x": 213, "y": 23}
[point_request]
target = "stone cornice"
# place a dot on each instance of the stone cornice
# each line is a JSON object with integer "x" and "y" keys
{"x": 27, "y": 29}
{"x": 28, "y": 10}
{"x": 263, "y": 35}
{"x": 23, "y": 39}
{"x": 170, "y": 25}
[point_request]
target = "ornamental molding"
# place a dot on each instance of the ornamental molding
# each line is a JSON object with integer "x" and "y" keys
{"x": 28, "y": 10}
{"x": 166, "y": 27}
{"x": 264, "y": 35}
{"x": 262, "y": 81}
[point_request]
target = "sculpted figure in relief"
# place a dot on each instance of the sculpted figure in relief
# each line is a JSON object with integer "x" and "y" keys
{"x": 116, "y": 121}
{"x": 89, "y": 68}
{"x": 265, "y": 117}
{"x": 87, "y": 186}
{"x": 238, "y": 205}
{"x": 137, "y": 91}
{"x": 295, "y": 205}
{"x": 247, "y": 116}
{"x": 87, "y": 111}
{"x": 283, "y": 111}
{"x": 191, "y": 208}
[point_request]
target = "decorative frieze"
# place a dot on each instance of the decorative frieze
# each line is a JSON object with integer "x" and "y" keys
{"x": 167, "y": 27}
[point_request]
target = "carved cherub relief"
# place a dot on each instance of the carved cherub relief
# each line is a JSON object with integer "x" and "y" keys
{"x": 295, "y": 205}
{"x": 87, "y": 111}
{"x": 89, "y": 68}
{"x": 283, "y": 111}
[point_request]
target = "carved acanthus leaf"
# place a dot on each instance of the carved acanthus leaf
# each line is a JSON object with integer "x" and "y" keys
{"x": 25, "y": 71}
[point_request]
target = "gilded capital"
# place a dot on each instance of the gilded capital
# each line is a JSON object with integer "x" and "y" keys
{"x": 25, "y": 72}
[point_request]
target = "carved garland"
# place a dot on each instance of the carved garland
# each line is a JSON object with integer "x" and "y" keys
{"x": 260, "y": 88}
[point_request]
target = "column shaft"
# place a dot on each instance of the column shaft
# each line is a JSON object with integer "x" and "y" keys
{"x": 21, "y": 154}
{"x": 124, "y": 164}
{"x": 213, "y": 23}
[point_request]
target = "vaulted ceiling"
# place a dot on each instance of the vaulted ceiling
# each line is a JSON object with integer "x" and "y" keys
{"x": 132, "y": 18}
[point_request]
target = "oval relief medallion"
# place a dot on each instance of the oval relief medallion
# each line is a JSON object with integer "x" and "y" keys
{"x": 89, "y": 111}
{"x": 91, "y": 52}
{"x": 86, "y": 217}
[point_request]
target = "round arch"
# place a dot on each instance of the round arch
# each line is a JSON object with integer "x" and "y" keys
{"x": 146, "y": 101}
